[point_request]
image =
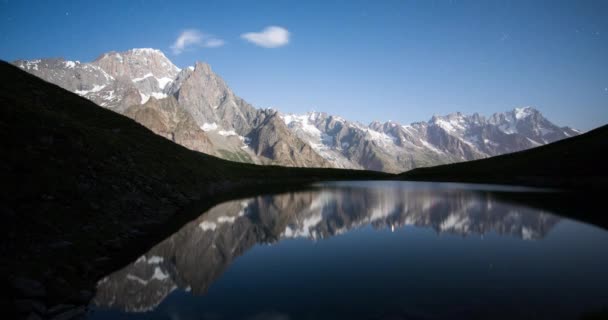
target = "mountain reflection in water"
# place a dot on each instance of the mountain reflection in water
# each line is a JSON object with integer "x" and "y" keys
{"x": 193, "y": 258}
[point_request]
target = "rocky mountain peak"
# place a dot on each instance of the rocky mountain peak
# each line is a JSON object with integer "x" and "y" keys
{"x": 516, "y": 114}
{"x": 204, "y": 68}
{"x": 137, "y": 64}
{"x": 375, "y": 123}
{"x": 195, "y": 108}
{"x": 477, "y": 118}
{"x": 451, "y": 123}
{"x": 525, "y": 112}
{"x": 273, "y": 140}
{"x": 203, "y": 93}
{"x": 146, "y": 51}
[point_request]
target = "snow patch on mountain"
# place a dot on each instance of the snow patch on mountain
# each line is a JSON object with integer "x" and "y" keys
{"x": 70, "y": 64}
{"x": 96, "y": 88}
{"x": 162, "y": 82}
{"x": 430, "y": 147}
{"x": 207, "y": 226}
{"x": 521, "y": 113}
{"x": 147, "y": 75}
{"x": 159, "y": 274}
{"x": 155, "y": 260}
{"x": 227, "y": 133}
{"x": 30, "y": 64}
{"x": 450, "y": 125}
{"x": 209, "y": 126}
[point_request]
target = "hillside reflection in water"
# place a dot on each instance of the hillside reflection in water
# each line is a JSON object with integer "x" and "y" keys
{"x": 180, "y": 272}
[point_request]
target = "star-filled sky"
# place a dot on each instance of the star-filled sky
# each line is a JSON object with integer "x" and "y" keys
{"x": 362, "y": 60}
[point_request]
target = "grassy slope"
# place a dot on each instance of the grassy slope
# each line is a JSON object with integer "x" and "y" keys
{"x": 84, "y": 185}
{"x": 578, "y": 163}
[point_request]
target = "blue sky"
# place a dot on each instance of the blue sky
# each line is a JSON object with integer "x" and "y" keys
{"x": 363, "y": 60}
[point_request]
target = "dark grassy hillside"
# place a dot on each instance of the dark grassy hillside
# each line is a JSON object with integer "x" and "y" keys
{"x": 577, "y": 163}
{"x": 84, "y": 186}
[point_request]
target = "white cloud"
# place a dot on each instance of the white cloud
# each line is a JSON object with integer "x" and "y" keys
{"x": 193, "y": 37}
{"x": 213, "y": 43}
{"x": 185, "y": 39}
{"x": 270, "y": 37}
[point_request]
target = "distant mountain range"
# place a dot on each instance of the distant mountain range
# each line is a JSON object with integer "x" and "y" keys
{"x": 195, "y": 108}
{"x": 574, "y": 163}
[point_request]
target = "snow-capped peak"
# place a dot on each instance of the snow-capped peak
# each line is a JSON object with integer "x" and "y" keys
{"x": 145, "y": 51}
{"x": 137, "y": 62}
{"x": 453, "y": 122}
{"x": 524, "y": 112}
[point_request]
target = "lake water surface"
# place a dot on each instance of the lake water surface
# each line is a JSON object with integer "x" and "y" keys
{"x": 367, "y": 250}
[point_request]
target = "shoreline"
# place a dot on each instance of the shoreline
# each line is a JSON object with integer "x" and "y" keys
{"x": 66, "y": 291}
{"x": 68, "y": 294}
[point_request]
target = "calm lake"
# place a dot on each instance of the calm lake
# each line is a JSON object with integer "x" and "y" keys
{"x": 367, "y": 250}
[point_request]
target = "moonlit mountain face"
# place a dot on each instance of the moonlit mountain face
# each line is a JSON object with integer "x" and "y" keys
{"x": 197, "y": 255}
{"x": 194, "y": 107}
{"x": 393, "y": 147}
{"x": 114, "y": 80}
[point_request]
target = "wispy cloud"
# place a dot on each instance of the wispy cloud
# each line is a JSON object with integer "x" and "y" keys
{"x": 195, "y": 38}
{"x": 213, "y": 43}
{"x": 270, "y": 37}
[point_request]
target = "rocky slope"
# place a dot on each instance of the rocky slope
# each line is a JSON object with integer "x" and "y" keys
{"x": 115, "y": 80}
{"x": 231, "y": 128}
{"x": 165, "y": 118}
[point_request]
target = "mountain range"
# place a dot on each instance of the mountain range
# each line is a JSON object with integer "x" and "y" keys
{"x": 195, "y": 108}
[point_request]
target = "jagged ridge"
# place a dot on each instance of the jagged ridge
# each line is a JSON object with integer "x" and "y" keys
{"x": 195, "y": 108}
